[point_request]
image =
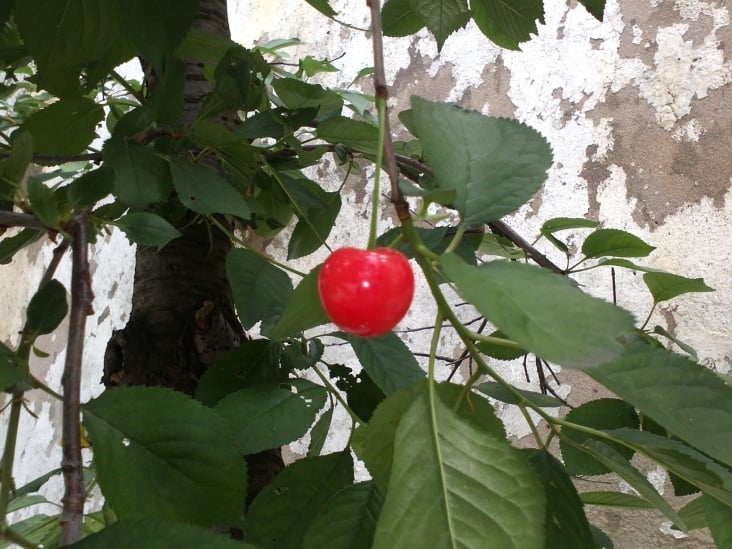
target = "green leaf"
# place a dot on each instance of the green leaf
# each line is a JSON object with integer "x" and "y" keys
{"x": 281, "y": 513}
{"x": 615, "y": 243}
{"x": 43, "y": 202}
{"x": 156, "y": 29}
{"x": 147, "y": 229}
{"x": 398, "y": 18}
{"x": 21, "y": 155}
{"x": 693, "y": 514}
{"x": 47, "y": 308}
{"x": 347, "y": 520}
{"x": 493, "y": 164}
{"x": 624, "y": 263}
{"x": 494, "y": 390}
{"x": 595, "y": 7}
{"x": 566, "y": 525}
{"x": 556, "y": 224}
{"x": 614, "y": 499}
{"x": 499, "y": 351}
{"x": 10, "y": 245}
{"x": 204, "y": 45}
{"x": 35, "y": 484}
{"x": 319, "y": 433}
{"x": 36, "y": 529}
{"x": 24, "y": 502}
{"x": 355, "y": 134}
{"x": 269, "y": 416}
{"x": 719, "y": 519}
{"x": 204, "y": 191}
{"x": 141, "y": 176}
{"x": 158, "y": 535}
{"x": 442, "y": 18}
{"x": 665, "y": 286}
{"x": 155, "y": 437}
{"x": 323, "y": 7}
{"x": 261, "y": 290}
{"x": 618, "y": 464}
{"x": 455, "y": 485}
{"x": 64, "y": 127}
{"x": 296, "y": 94}
{"x": 436, "y": 240}
{"x": 91, "y": 187}
{"x": 387, "y": 360}
{"x": 166, "y": 100}
{"x": 302, "y": 311}
{"x": 495, "y": 245}
{"x": 602, "y": 540}
{"x": 542, "y": 312}
{"x": 684, "y": 397}
{"x": 601, "y": 414}
{"x": 10, "y": 373}
{"x": 254, "y": 362}
{"x": 686, "y": 348}
{"x": 507, "y": 22}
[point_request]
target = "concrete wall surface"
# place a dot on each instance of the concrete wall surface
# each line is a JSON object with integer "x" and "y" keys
{"x": 638, "y": 112}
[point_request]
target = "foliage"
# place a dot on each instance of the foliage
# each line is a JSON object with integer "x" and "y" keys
{"x": 443, "y": 472}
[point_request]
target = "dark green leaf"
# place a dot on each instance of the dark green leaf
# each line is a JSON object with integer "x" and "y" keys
{"x": 91, "y": 187}
{"x": 355, "y": 134}
{"x": 204, "y": 191}
{"x": 601, "y": 414}
{"x": 595, "y": 7}
{"x": 65, "y": 127}
{"x": 166, "y": 100}
{"x": 147, "y": 229}
{"x": 254, "y": 362}
{"x": 323, "y": 6}
{"x": 43, "y": 202}
{"x": 269, "y": 416}
{"x": 436, "y": 240}
{"x": 21, "y": 155}
{"x": 47, "y": 308}
{"x": 665, "y": 286}
{"x": 493, "y": 164}
{"x": 319, "y": 433}
{"x": 158, "y": 535}
{"x": 204, "y": 45}
{"x": 10, "y": 373}
{"x": 686, "y": 348}
{"x": 388, "y": 361}
{"x": 624, "y": 263}
{"x": 398, "y": 18}
{"x": 10, "y": 245}
{"x": 347, "y": 520}
{"x": 602, "y": 540}
{"x": 693, "y": 514}
{"x": 141, "y": 176}
{"x": 155, "y": 437}
{"x": 261, "y": 290}
{"x": 615, "y": 243}
{"x": 442, "y": 18}
{"x": 494, "y": 390}
{"x": 556, "y": 224}
{"x": 35, "y": 484}
{"x": 454, "y": 485}
{"x": 614, "y": 499}
{"x": 684, "y": 397}
{"x": 302, "y": 311}
{"x": 23, "y": 502}
{"x": 296, "y": 94}
{"x": 566, "y": 526}
{"x": 507, "y": 22}
{"x": 498, "y": 350}
{"x": 281, "y": 513}
{"x": 719, "y": 519}
{"x": 473, "y": 408}
{"x": 542, "y": 312}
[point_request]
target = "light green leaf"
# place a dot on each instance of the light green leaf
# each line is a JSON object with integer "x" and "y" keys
{"x": 614, "y": 499}
{"x": 269, "y": 416}
{"x": 495, "y": 245}
{"x": 296, "y": 94}
{"x": 356, "y": 134}
{"x": 155, "y": 437}
{"x": 398, "y": 18}
{"x": 23, "y": 502}
{"x": 303, "y": 309}
{"x": 158, "y": 535}
{"x": 507, "y": 22}
{"x": 665, "y": 286}
{"x": 684, "y": 397}
{"x": 719, "y": 519}
{"x": 12, "y": 244}
{"x": 615, "y": 243}
{"x": 10, "y": 373}
{"x": 454, "y": 485}
{"x": 37, "y": 529}
{"x": 693, "y": 514}
{"x": 47, "y": 308}
{"x": 21, "y": 155}
{"x": 43, "y": 202}
{"x": 65, "y": 127}
{"x": 494, "y": 390}
{"x": 147, "y": 229}
{"x": 261, "y": 290}
{"x": 601, "y": 414}
{"x": 442, "y": 18}
{"x": 566, "y": 524}
{"x": 141, "y": 176}
{"x": 204, "y": 191}
{"x": 493, "y": 164}
{"x": 387, "y": 360}
{"x": 348, "y": 519}
{"x": 542, "y": 312}
{"x": 280, "y": 515}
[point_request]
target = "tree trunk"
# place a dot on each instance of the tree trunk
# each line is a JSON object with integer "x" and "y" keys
{"x": 182, "y": 317}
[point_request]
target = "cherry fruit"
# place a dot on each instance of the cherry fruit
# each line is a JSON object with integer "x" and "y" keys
{"x": 366, "y": 292}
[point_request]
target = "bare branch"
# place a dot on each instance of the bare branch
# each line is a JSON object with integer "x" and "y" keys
{"x": 81, "y": 298}
{"x": 17, "y": 219}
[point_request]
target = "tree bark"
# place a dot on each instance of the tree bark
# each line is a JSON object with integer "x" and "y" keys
{"x": 182, "y": 317}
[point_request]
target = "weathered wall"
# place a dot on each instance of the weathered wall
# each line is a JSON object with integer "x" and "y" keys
{"x": 637, "y": 111}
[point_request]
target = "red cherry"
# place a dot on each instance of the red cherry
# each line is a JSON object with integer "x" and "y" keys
{"x": 366, "y": 292}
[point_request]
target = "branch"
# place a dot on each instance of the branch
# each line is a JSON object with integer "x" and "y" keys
{"x": 17, "y": 219}
{"x": 72, "y": 515}
{"x": 53, "y": 159}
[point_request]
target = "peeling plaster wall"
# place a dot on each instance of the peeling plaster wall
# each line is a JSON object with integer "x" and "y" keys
{"x": 637, "y": 110}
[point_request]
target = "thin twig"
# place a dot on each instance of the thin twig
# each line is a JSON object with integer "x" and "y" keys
{"x": 53, "y": 159}
{"x": 81, "y": 298}
{"x": 17, "y": 219}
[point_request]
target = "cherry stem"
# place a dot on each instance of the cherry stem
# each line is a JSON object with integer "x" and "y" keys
{"x": 375, "y": 194}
